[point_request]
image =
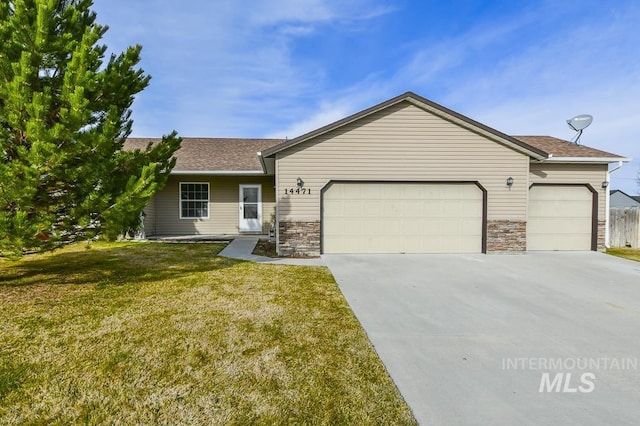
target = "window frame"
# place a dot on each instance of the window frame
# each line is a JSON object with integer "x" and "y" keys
{"x": 180, "y": 200}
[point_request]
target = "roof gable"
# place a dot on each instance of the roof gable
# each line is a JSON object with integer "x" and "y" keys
{"x": 428, "y": 106}
{"x": 213, "y": 155}
{"x": 252, "y": 156}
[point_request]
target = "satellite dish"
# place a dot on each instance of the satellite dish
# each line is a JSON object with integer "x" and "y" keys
{"x": 580, "y": 122}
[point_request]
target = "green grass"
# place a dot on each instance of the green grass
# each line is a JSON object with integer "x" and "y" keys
{"x": 627, "y": 253}
{"x": 144, "y": 333}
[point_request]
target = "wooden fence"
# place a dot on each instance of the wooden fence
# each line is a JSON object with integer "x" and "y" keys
{"x": 624, "y": 227}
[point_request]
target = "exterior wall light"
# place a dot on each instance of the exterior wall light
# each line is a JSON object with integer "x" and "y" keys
{"x": 299, "y": 182}
{"x": 509, "y": 182}
{"x": 605, "y": 184}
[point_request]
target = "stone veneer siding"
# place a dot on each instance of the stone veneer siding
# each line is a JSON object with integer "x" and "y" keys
{"x": 600, "y": 240}
{"x": 298, "y": 238}
{"x": 506, "y": 236}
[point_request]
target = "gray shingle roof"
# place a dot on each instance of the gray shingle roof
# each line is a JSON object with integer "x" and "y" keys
{"x": 237, "y": 155}
{"x": 213, "y": 154}
{"x": 561, "y": 148}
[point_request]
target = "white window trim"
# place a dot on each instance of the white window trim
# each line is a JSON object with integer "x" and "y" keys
{"x": 180, "y": 200}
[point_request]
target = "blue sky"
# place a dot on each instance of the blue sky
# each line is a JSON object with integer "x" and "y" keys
{"x": 280, "y": 68}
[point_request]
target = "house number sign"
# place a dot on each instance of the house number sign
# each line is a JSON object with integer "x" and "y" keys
{"x": 297, "y": 191}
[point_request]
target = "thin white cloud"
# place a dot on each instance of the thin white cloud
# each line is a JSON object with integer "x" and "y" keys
{"x": 313, "y": 11}
{"x": 334, "y": 106}
{"x": 585, "y": 67}
{"x": 225, "y": 68}
{"x": 297, "y": 30}
{"x": 266, "y": 13}
{"x": 229, "y": 68}
{"x": 328, "y": 113}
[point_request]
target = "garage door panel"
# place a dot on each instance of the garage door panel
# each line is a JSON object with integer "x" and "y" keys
{"x": 402, "y": 218}
{"x": 468, "y": 228}
{"x": 389, "y": 209}
{"x": 353, "y": 208}
{"x": 565, "y": 208}
{"x": 389, "y": 228}
{"x": 411, "y": 207}
{"x": 452, "y": 228}
{"x": 560, "y": 218}
{"x": 568, "y": 226}
{"x": 431, "y": 210}
{"x": 453, "y": 208}
{"x": 543, "y": 226}
{"x": 568, "y": 242}
{"x": 429, "y": 227}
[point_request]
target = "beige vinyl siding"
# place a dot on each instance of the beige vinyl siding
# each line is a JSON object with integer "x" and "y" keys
{"x": 593, "y": 174}
{"x": 223, "y": 205}
{"x": 402, "y": 143}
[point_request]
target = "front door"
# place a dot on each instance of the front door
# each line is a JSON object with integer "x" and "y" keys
{"x": 250, "y": 208}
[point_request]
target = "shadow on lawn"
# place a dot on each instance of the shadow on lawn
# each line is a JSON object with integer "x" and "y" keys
{"x": 114, "y": 264}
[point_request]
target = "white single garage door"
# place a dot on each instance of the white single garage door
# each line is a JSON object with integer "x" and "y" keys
{"x": 559, "y": 218}
{"x": 402, "y": 218}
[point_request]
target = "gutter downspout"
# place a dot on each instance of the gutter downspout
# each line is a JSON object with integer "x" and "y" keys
{"x": 264, "y": 166}
{"x": 606, "y": 204}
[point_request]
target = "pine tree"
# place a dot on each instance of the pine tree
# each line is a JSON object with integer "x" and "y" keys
{"x": 64, "y": 117}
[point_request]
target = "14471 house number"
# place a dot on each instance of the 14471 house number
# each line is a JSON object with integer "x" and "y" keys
{"x": 297, "y": 191}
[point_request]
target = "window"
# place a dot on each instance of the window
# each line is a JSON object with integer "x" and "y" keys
{"x": 194, "y": 200}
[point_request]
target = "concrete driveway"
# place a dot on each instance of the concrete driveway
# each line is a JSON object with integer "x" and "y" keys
{"x": 469, "y": 339}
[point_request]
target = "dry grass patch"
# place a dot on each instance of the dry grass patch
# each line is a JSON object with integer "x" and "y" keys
{"x": 265, "y": 248}
{"x": 627, "y": 253}
{"x": 168, "y": 333}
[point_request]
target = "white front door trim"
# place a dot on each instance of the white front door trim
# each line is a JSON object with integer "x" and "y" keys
{"x": 250, "y": 203}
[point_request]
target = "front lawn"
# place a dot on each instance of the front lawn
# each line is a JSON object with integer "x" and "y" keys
{"x": 143, "y": 333}
{"x": 627, "y": 253}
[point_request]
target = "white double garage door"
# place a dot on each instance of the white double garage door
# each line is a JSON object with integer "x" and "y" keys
{"x": 416, "y": 217}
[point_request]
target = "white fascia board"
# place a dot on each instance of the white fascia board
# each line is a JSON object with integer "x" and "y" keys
{"x": 264, "y": 166}
{"x": 268, "y": 164}
{"x": 218, "y": 172}
{"x": 598, "y": 160}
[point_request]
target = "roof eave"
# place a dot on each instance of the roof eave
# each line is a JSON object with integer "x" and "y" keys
{"x": 218, "y": 172}
{"x": 268, "y": 164}
{"x": 583, "y": 160}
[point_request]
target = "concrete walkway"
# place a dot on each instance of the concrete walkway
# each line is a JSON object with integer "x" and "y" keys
{"x": 242, "y": 246}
